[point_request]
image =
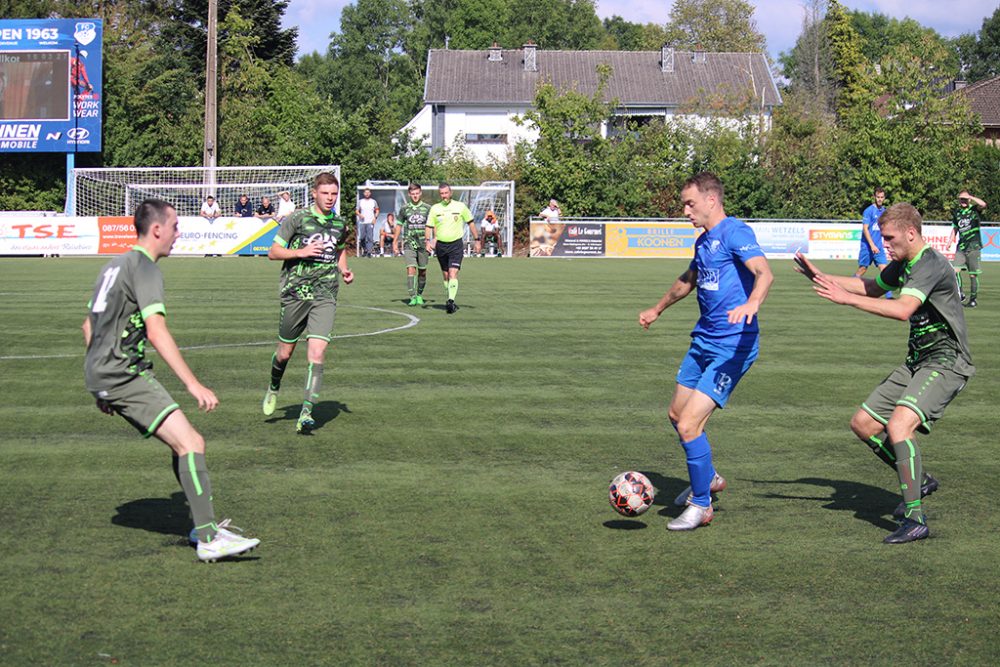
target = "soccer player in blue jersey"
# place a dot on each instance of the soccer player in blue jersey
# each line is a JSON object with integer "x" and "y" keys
{"x": 732, "y": 277}
{"x": 872, "y": 250}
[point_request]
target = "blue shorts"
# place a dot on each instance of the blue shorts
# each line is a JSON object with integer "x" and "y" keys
{"x": 715, "y": 367}
{"x": 866, "y": 257}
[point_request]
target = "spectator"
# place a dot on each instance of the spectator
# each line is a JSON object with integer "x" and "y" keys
{"x": 285, "y": 205}
{"x": 266, "y": 209}
{"x": 244, "y": 209}
{"x": 491, "y": 230}
{"x": 210, "y": 209}
{"x": 552, "y": 212}
{"x": 387, "y": 232}
{"x": 367, "y": 213}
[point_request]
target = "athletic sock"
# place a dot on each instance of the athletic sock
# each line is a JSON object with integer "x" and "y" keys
{"x": 973, "y": 285}
{"x": 700, "y": 469}
{"x": 452, "y": 288}
{"x": 421, "y": 283}
{"x": 175, "y": 462}
{"x": 880, "y": 446}
{"x": 194, "y": 480}
{"x": 910, "y": 472}
{"x": 411, "y": 285}
{"x": 277, "y": 371}
{"x": 314, "y": 381}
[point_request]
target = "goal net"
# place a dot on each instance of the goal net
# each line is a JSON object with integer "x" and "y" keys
{"x": 495, "y": 196}
{"x": 117, "y": 191}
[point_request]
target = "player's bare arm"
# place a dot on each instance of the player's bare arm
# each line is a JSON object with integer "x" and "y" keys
{"x": 429, "y": 239}
{"x": 897, "y": 309}
{"x": 683, "y": 286}
{"x": 761, "y": 285}
{"x": 345, "y": 272}
{"x": 86, "y": 331}
{"x": 279, "y": 252}
{"x": 852, "y": 284}
{"x": 868, "y": 238}
{"x": 163, "y": 341}
{"x": 476, "y": 236}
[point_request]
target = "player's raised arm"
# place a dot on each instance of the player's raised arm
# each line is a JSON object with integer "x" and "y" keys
{"x": 681, "y": 288}
{"x": 851, "y": 284}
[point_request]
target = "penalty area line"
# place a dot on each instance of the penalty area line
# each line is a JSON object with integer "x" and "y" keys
{"x": 412, "y": 321}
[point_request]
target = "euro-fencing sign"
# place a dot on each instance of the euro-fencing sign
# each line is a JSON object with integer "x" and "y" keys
{"x": 50, "y": 85}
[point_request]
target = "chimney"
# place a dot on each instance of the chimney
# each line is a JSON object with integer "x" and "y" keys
{"x": 666, "y": 58}
{"x": 530, "y": 60}
{"x": 495, "y": 54}
{"x": 699, "y": 55}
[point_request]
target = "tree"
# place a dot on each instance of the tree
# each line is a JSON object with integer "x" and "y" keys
{"x": 808, "y": 66}
{"x": 980, "y": 53}
{"x": 715, "y": 25}
{"x": 850, "y": 67}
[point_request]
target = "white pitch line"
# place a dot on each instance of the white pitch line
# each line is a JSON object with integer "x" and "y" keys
{"x": 413, "y": 321}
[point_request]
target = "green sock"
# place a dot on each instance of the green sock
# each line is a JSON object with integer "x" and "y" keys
{"x": 973, "y": 285}
{"x": 452, "y": 288}
{"x": 910, "y": 472}
{"x": 421, "y": 283}
{"x": 314, "y": 380}
{"x": 880, "y": 445}
{"x": 198, "y": 489}
{"x": 411, "y": 285}
{"x": 277, "y": 371}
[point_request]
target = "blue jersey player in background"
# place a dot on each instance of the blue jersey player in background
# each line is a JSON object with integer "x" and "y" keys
{"x": 733, "y": 277}
{"x": 872, "y": 249}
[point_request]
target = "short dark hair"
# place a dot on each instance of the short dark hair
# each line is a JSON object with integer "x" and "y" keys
{"x": 903, "y": 215}
{"x": 706, "y": 182}
{"x": 150, "y": 212}
{"x": 878, "y": 190}
{"x": 325, "y": 178}
{"x": 414, "y": 186}
{"x": 441, "y": 186}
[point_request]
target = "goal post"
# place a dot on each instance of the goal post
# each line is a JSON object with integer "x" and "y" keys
{"x": 117, "y": 191}
{"x": 495, "y": 196}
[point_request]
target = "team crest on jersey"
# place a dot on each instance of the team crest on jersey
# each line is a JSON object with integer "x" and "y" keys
{"x": 713, "y": 246}
{"x": 708, "y": 279}
{"x": 329, "y": 242}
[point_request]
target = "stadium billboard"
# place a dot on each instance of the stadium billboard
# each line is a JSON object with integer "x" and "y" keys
{"x": 50, "y": 85}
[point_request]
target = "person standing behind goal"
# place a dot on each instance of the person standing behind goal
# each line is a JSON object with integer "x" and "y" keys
{"x": 127, "y": 311}
{"x": 444, "y": 238}
{"x": 310, "y": 243}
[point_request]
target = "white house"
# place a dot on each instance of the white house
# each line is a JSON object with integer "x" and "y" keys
{"x": 473, "y": 96}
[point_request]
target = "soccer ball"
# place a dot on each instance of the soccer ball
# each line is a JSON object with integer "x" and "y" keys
{"x": 631, "y": 493}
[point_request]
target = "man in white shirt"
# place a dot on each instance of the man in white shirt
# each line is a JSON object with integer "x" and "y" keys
{"x": 285, "y": 205}
{"x": 367, "y": 213}
{"x": 552, "y": 212}
{"x": 209, "y": 209}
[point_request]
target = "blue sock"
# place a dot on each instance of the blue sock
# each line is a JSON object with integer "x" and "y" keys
{"x": 700, "y": 469}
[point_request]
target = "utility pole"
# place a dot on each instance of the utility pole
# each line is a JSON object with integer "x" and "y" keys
{"x": 211, "y": 87}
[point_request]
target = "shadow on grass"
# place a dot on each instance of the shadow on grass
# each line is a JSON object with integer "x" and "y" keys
{"x": 323, "y": 412}
{"x": 869, "y": 503}
{"x": 168, "y": 516}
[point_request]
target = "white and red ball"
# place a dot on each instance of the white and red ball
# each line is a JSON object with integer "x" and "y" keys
{"x": 631, "y": 493}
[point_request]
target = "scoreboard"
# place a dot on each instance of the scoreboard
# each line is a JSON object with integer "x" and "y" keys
{"x": 50, "y": 85}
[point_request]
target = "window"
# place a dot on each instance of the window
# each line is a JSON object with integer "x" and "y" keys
{"x": 482, "y": 138}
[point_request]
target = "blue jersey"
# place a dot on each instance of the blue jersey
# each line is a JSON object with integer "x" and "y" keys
{"x": 724, "y": 281}
{"x": 870, "y": 220}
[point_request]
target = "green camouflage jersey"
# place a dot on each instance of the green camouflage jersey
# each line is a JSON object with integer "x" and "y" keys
{"x": 315, "y": 277}
{"x": 413, "y": 218}
{"x": 129, "y": 289}
{"x": 938, "y": 335}
{"x": 966, "y": 221}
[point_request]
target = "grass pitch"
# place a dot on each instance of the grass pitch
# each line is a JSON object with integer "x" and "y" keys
{"x": 451, "y": 508}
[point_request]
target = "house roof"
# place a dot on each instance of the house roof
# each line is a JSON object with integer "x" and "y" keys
{"x": 637, "y": 79}
{"x": 984, "y": 98}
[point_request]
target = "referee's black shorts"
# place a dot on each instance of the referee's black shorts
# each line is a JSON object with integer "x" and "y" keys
{"x": 450, "y": 254}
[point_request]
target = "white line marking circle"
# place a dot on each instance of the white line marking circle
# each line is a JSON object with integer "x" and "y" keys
{"x": 412, "y": 322}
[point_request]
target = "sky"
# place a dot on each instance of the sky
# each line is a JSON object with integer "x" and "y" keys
{"x": 779, "y": 20}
